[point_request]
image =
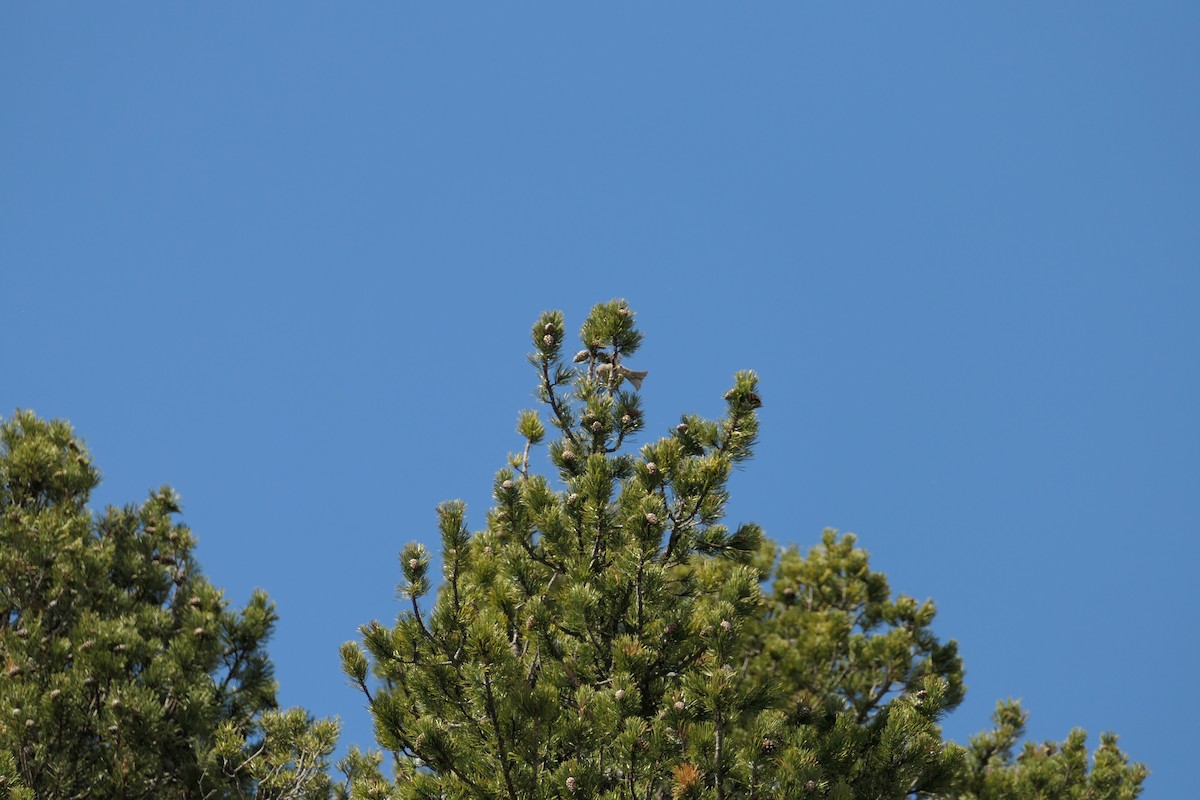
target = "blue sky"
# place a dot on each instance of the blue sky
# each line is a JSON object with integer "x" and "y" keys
{"x": 285, "y": 258}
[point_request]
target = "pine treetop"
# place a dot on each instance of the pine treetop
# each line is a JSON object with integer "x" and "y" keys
{"x": 128, "y": 675}
{"x": 607, "y": 635}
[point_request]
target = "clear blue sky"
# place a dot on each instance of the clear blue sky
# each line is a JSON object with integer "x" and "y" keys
{"x": 285, "y": 258}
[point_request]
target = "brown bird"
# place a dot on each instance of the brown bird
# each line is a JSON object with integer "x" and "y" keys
{"x": 634, "y": 376}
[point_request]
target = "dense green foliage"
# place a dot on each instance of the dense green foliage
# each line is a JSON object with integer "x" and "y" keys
{"x": 126, "y": 673}
{"x": 1050, "y": 770}
{"x": 607, "y": 636}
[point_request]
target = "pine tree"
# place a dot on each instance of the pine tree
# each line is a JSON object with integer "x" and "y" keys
{"x": 127, "y": 675}
{"x": 1049, "y": 771}
{"x": 608, "y": 636}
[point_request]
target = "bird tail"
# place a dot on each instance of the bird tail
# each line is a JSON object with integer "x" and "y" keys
{"x": 635, "y": 377}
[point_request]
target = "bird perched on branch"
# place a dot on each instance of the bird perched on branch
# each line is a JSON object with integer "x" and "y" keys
{"x": 634, "y": 376}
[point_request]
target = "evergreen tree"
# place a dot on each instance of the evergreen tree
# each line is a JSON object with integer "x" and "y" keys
{"x": 1049, "y": 771}
{"x": 127, "y": 675}
{"x": 608, "y": 636}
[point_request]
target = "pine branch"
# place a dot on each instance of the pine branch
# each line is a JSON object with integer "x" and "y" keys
{"x": 564, "y": 422}
{"x": 503, "y": 754}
